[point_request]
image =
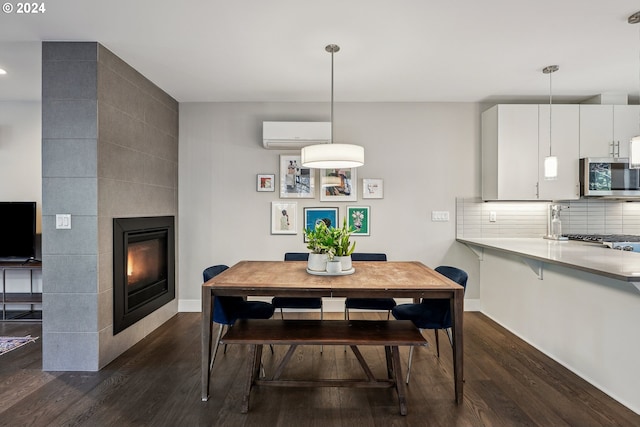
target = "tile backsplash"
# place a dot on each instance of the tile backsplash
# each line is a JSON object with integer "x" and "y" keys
{"x": 529, "y": 219}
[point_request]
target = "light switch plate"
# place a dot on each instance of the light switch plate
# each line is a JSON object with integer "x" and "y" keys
{"x": 63, "y": 221}
{"x": 440, "y": 216}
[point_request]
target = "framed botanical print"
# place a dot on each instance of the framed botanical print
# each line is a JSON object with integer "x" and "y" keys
{"x": 358, "y": 218}
{"x": 372, "y": 188}
{"x": 338, "y": 185}
{"x": 314, "y": 215}
{"x": 266, "y": 182}
{"x": 296, "y": 181}
{"x": 284, "y": 218}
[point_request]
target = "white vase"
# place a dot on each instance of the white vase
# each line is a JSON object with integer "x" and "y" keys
{"x": 345, "y": 261}
{"x": 334, "y": 266}
{"x": 317, "y": 262}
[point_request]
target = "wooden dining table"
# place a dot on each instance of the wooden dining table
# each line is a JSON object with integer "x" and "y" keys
{"x": 392, "y": 279}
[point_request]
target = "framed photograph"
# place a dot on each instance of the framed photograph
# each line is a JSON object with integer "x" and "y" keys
{"x": 338, "y": 185}
{"x": 284, "y": 219}
{"x": 314, "y": 215}
{"x": 358, "y": 217}
{"x": 296, "y": 181}
{"x": 266, "y": 182}
{"x": 372, "y": 188}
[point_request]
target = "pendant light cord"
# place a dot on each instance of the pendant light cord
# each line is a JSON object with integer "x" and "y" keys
{"x": 550, "y": 111}
{"x": 332, "y": 96}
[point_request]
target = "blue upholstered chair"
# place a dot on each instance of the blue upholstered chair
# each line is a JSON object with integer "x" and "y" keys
{"x": 226, "y": 310}
{"x": 432, "y": 313}
{"x": 297, "y": 302}
{"x": 368, "y": 303}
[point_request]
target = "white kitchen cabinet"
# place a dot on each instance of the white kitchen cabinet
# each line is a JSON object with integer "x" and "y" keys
{"x": 565, "y": 145}
{"x": 515, "y": 141}
{"x": 605, "y": 130}
{"x": 510, "y": 152}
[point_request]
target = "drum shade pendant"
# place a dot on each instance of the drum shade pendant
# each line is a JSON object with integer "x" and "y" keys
{"x": 332, "y": 156}
{"x": 551, "y": 161}
{"x": 634, "y": 144}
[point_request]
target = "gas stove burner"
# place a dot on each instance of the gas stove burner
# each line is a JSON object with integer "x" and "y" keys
{"x": 605, "y": 237}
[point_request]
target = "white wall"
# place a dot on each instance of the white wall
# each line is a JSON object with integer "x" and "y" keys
{"x": 427, "y": 155}
{"x": 20, "y": 153}
{"x": 21, "y": 170}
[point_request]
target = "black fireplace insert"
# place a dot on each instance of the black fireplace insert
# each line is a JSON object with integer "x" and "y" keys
{"x": 143, "y": 267}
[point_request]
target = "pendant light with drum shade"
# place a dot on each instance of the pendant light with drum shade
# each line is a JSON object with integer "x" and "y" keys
{"x": 551, "y": 161}
{"x": 332, "y": 156}
{"x": 634, "y": 144}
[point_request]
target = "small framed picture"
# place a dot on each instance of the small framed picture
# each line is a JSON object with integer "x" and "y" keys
{"x": 338, "y": 185}
{"x": 358, "y": 217}
{"x": 266, "y": 182}
{"x": 372, "y": 188}
{"x": 295, "y": 180}
{"x": 314, "y": 215}
{"x": 284, "y": 218}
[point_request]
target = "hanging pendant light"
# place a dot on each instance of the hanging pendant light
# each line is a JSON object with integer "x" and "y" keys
{"x": 634, "y": 144}
{"x": 551, "y": 161}
{"x": 332, "y": 156}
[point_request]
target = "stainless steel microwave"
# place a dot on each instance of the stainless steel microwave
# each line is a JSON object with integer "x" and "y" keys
{"x": 608, "y": 177}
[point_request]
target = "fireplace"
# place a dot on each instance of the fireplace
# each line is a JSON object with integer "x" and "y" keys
{"x": 143, "y": 267}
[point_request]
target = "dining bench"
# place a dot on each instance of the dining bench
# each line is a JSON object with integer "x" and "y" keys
{"x": 352, "y": 333}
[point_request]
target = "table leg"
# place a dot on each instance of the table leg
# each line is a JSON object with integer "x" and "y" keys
{"x": 207, "y": 310}
{"x": 457, "y": 308}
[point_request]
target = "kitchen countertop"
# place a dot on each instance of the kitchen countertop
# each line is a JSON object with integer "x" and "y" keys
{"x": 590, "y": 257}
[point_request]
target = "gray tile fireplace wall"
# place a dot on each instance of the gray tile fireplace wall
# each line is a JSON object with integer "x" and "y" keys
{"x": 109, "y": 149}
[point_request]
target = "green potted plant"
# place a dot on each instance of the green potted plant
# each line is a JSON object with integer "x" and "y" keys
{"x": 343, "y": 246}
{"x": 318, "y": 242}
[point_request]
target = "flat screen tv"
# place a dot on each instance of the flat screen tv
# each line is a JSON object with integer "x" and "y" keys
{"x": 18, "y": 231}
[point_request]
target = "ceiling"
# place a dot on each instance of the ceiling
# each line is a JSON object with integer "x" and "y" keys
{"x": 400, "y": 51}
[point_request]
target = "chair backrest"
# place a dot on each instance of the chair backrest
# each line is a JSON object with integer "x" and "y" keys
{"x": 222, "y": 306}
{"x": 457, "y": 275}
{"x": 362, "y": 256}
{"x": 296, "y": 256}
{"x": 214, "y": 270}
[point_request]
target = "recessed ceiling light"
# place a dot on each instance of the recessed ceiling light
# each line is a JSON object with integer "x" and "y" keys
{"x": 2, "y": 71}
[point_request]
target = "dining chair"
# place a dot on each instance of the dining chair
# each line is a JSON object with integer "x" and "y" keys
{"x": 228, "y": 309}
{"x": 368, "y": 303}
{"x": 432, "y": 313}
{"x": 297, "y": 302}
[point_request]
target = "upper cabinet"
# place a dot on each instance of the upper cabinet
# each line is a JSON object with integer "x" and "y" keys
{"x": 510, "y": 152}
{"x": 605, "y": 130}
{"x": 515, "y": 141}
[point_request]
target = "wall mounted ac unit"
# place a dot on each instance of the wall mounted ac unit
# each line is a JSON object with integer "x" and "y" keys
{"x": 294, "y": 135}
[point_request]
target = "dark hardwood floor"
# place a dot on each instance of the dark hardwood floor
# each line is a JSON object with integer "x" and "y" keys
{"x": 157, "y": 383}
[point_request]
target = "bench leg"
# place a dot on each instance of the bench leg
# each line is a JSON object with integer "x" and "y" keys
{"x": 397, "y": 376}
{"x": 255, "y": 358}
{"x": 387, "y": 353}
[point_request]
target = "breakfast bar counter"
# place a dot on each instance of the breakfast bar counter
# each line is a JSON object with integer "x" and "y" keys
{"x": 590, "y": 257}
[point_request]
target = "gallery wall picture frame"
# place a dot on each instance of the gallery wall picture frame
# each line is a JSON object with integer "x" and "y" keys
{"x": 284, "y": 217}
{"x": 266, "y": 182}
{"x": 296, "y": 181}
{"x": 372, "y": 188}
{"x": 359, "y": 218}
{"x": 338, "y": 185}
{"x": 313, "y": 215}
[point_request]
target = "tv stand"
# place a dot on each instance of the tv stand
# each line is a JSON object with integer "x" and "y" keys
{"x": 8, "y": 299}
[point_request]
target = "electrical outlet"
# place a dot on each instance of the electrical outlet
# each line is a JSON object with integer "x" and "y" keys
{"x": 492, "y": 216}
